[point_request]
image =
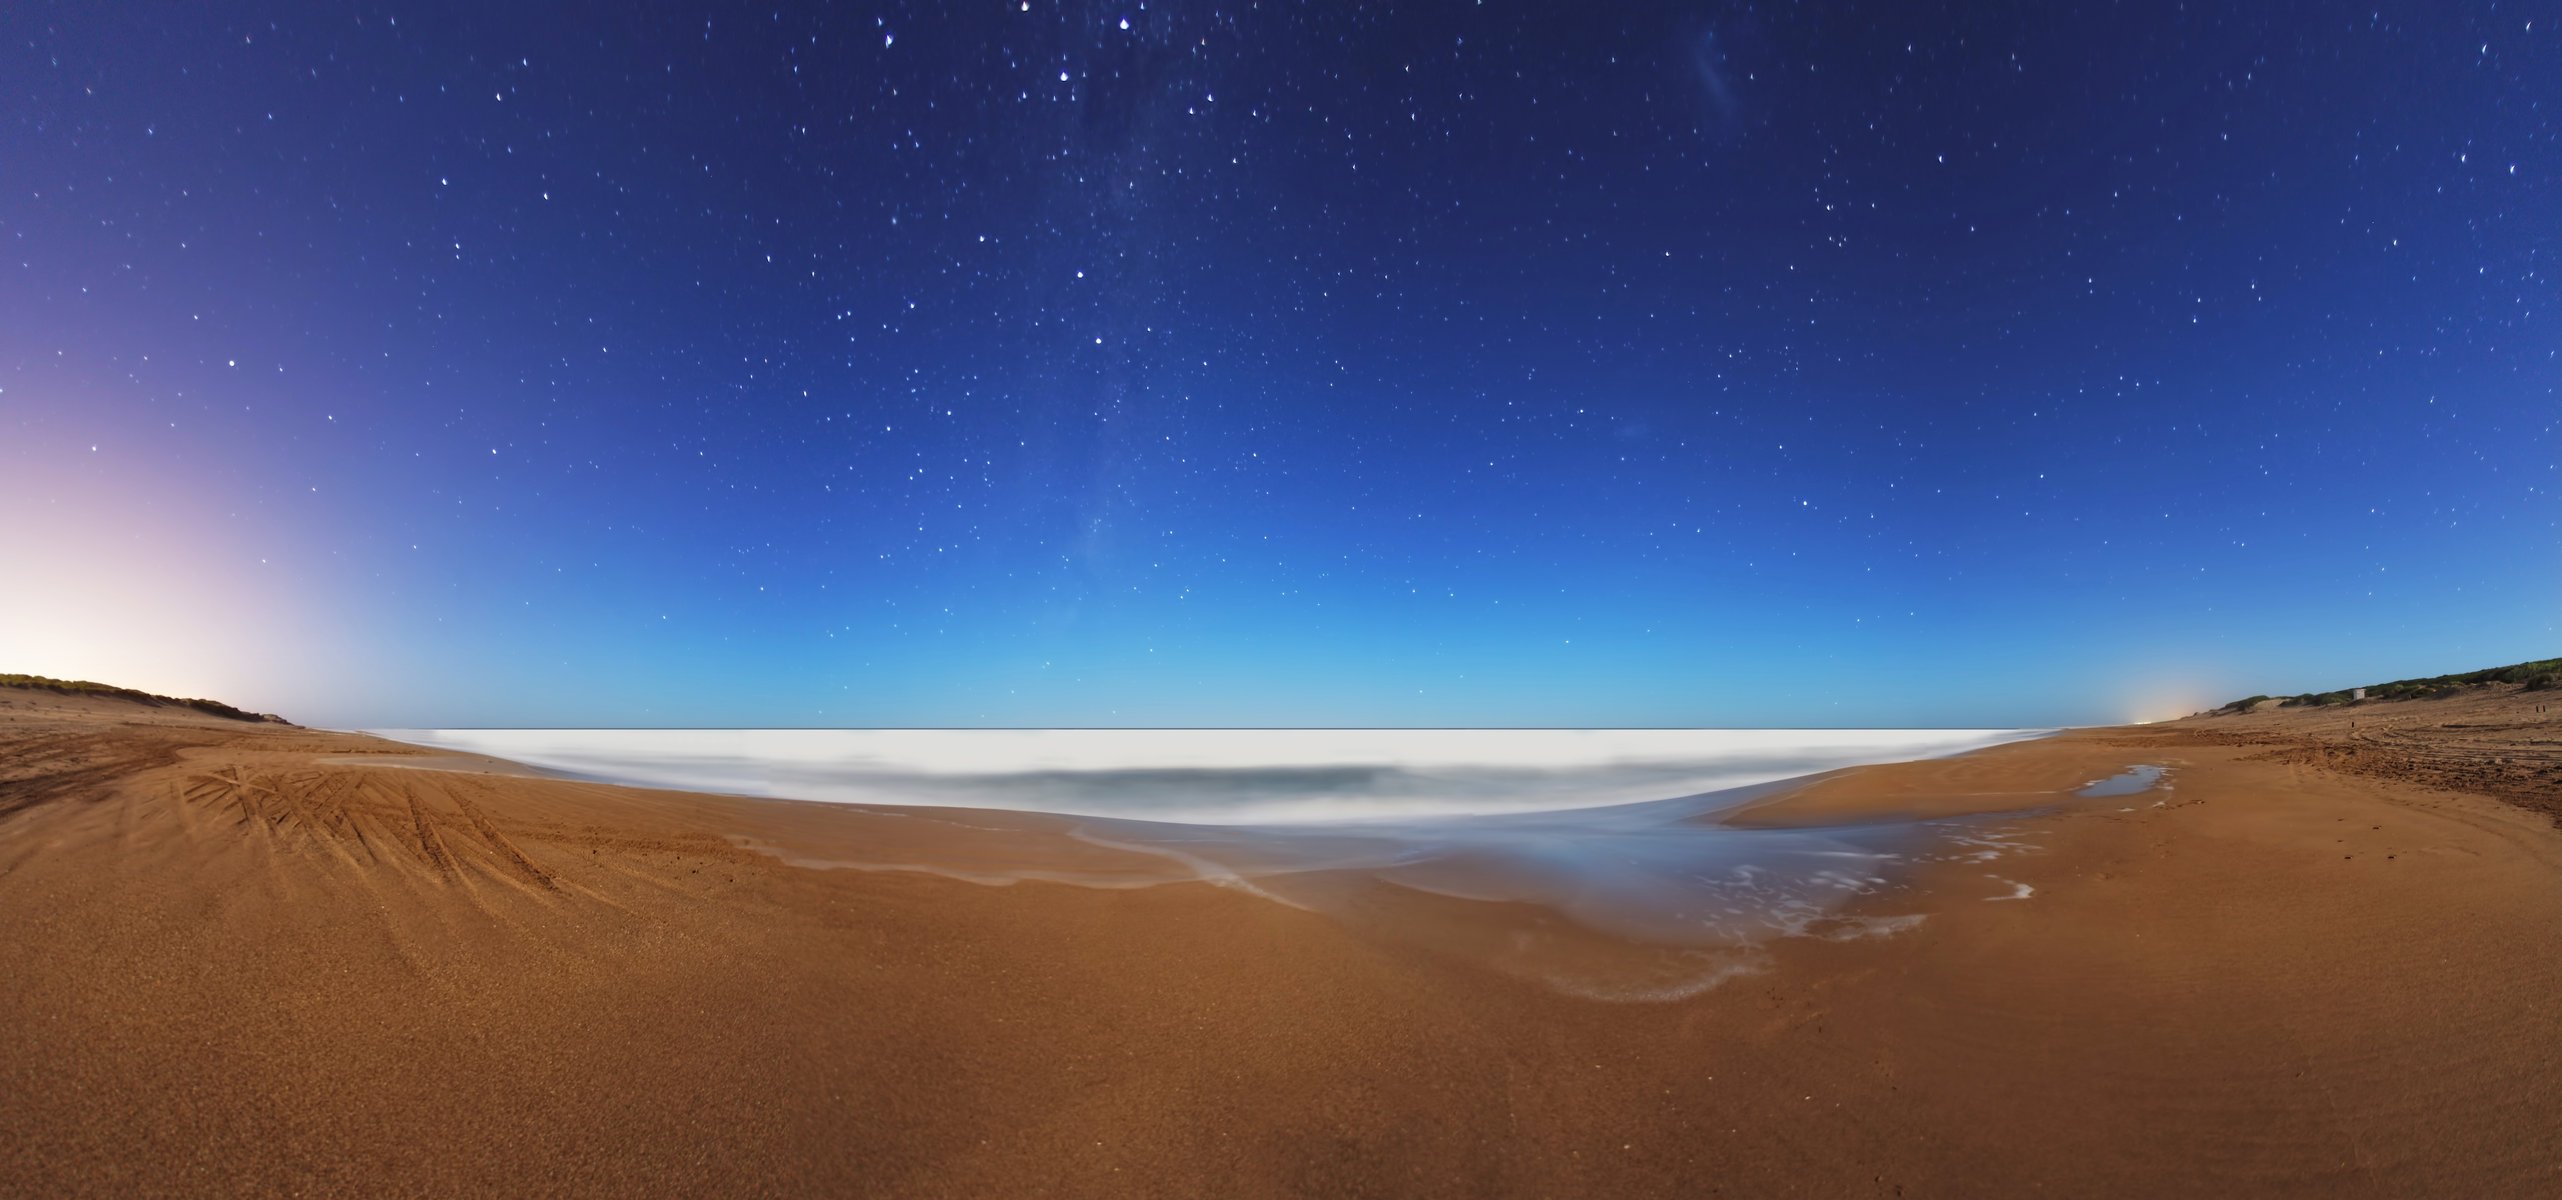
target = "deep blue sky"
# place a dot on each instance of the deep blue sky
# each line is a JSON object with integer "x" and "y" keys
{"x": 1503, "y": 363}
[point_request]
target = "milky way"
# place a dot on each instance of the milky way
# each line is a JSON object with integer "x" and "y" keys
{"x": 1012, "y": 363}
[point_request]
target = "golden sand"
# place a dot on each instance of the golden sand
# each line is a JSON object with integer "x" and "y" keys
{"x": 244, "y": 958}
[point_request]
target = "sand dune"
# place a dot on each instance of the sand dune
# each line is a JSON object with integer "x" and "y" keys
{"x": 267, "y": 959}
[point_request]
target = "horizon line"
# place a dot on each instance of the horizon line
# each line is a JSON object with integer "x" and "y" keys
{"x": 1206, "y": 728}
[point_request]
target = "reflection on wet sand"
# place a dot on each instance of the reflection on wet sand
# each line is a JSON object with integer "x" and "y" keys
{"x": 1648, "y": 901}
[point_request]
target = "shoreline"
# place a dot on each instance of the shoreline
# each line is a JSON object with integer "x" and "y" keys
{"x": 265, "y": 971}
{"x": 1233, "y": 778}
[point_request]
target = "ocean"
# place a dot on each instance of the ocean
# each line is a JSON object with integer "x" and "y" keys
{"x": 1210, "y": 776}
{"x": 1614, "y": 832}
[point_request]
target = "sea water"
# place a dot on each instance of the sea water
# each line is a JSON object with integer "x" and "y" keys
{"x": 1210, "y": 776}
{"x": 1615, "y": 833}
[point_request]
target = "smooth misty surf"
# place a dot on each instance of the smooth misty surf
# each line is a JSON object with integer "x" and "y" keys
{"x": 1211, "y": 776}
{"x": 1617, "y": 832}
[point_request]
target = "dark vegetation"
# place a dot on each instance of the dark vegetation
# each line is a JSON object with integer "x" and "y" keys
{"x": 2543, "y": 674}
{"x": 82, "y": 687}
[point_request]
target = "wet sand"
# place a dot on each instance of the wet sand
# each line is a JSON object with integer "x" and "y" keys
{"x": 250, "y": 959}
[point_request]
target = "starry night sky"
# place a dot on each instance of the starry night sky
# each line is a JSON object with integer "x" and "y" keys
{"x": 1236, "y": 363}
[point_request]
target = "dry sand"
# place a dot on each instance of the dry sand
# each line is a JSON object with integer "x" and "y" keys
{"x": 240, "y": 958}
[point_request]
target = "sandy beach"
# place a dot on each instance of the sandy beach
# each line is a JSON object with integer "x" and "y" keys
{"x": 247, "y": 958}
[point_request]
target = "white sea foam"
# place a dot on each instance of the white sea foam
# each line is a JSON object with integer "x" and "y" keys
{"x": 1211, "y": 776}
{"x": 1614, "y": 831}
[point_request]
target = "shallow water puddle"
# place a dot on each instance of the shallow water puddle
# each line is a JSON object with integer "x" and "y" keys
{"x": 2135, "y": 779}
